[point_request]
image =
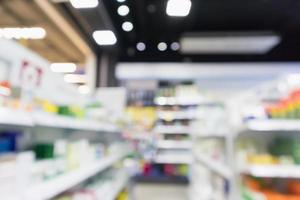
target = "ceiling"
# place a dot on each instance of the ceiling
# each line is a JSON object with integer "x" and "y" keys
{"x": 57, "y": 46}
{"x": 152, "y": 25}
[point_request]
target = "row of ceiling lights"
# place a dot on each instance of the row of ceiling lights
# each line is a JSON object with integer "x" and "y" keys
{"x": 162, "y": 46}
{"x": 175, "y": 8}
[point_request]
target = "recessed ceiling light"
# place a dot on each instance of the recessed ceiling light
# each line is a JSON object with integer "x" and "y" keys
{"x": 84, "y": 3}
{"x": 75, "y": 78}
{"x": 175, "y": 46}
{"x": 178, "y": 8}
{"x": 127, "y": 26}
{"x": 229, "y": 43}
{"x": 105, "y": 37}
{"x": 63, "y": 67}
{"x": 121, "y": 1}
{"x": 141, "y": 46}
{"x": 162, "y": 46}
{"x": 123, "y": 10}
{"x": 33, "y": 33}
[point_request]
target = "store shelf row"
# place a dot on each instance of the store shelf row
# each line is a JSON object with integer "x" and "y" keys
{"x": 51, "y": 188}
{"x": 173, "y": 144}
{"x": 118, "y": 186}
{"x": 27, "y": 119}
{"x": 173, "y": 159}
{"x": 272, "y": 171}
{"x": 291, "y": 125}
{"x": 215, "y": 166}
{"x": 172, "y": 129}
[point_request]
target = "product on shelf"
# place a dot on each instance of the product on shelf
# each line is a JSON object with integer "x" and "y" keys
{"x": 109, "y": 185}
{"x": 50, "y": 160}
{"x": 272, "y": 189}
{"x": 286, "y": 108}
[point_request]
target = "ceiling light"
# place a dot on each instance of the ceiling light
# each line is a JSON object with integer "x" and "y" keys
{"x": 123, "y": 10}
{"x": 121, "y": 1}
{"x": 127, "y": 26}
{"x": 105, "y": 37}
{"x": 84, "y": 89}
{"x": 63, "y": 67}
{"x": 162, "y": 46}
{"x": 75, "y": 78}
{"x": 34, "y": 33}
{"x": 178, "y": 8}
{"x": 141, "y": 46}
{"x": 84, "y": 3}
{"x": 175, "y": 46}
{"x": 229, "y": 43}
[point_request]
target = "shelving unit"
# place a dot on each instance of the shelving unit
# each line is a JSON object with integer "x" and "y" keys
{"x": 118, "y": 187}
{"x": 10, "y": 117}
{"x": 49, "y": 189}
{"x": 272, "y": 171}
{"x": 264, "y": 131}
{"x": 215, "y": 166}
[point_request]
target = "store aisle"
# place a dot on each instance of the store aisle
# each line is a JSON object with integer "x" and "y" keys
{"x": 160, "y": 192}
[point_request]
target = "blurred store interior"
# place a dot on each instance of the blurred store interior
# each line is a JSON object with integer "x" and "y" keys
{"x": 149, "y": 100}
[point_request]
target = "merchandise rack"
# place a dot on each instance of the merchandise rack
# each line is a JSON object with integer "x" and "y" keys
{"x": 9, "y": 117}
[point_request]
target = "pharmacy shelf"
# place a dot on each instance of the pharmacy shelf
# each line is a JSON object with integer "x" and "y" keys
{"x": 215, "y": 166}
{"x": 183, "y": 101}
{"x": 9, "y": 117}
{"x": 172, "y": 129}
{"x": 56, "y": 186}
{"x": 176, "y": 115}
{"x": 119, "y": 185}
{"x": 55, "y": 121}
{"x": 211, "y": 135}
{"x": 173, "y": 144}
{"x": 173, "y": 159}
{"x": 272, "y": 125}
{"x": 272, "y": 171}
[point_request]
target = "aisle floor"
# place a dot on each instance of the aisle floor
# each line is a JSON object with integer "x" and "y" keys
{"x": 159, "y": 192}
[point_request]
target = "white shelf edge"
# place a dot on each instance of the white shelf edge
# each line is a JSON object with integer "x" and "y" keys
{"x": 27, "y": 119}
{"x": 12, "y": 117}
{"x": 169, "y": 129}
{"x": 272, "y": 171}
{"x": 215, "y": 166}
{"x": 173, "y": 159}
{"x": 118, "y": 188}
{"x": 171, "y": 144}
{"x": 58, "y": 185}
{"x": 272, "y": 125}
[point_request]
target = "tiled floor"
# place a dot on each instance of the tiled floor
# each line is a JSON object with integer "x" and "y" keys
{"x": 159, "y": 192}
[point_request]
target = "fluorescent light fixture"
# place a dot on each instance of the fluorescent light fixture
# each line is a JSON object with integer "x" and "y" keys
{"x": 84, "y": 3}
{"x": 229, "y": 43}
{"x": 162, "y": 46}
{"x": 178, "y": 8}
{"x": 127, "y": 26}
{"x": 123, "y": 10}
{"x": 84, "y": 89}
{"x": 121, "y": 1}
{"x": 33, "y": 33}
{"x": 105, "y": 37}
{"x": 75, "y": 78}
{"x": 141, "y": 46}
{"x": 63, "y": 67}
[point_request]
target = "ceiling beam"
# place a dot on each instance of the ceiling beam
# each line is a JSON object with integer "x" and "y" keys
{"x": 58, "y": 19}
